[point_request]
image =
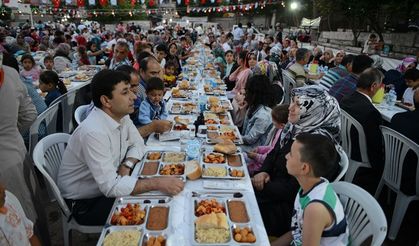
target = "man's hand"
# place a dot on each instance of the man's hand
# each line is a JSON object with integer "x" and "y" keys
{"x": 260, "y": 179}
{"x": 160, "y": 126}
{"x": 170, "y": 185}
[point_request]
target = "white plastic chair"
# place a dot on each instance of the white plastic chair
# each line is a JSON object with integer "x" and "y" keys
{"x": 288, "y": 84}
{"x": 344, "y": 163}
{"x": 396, "y": 148}
{"x": 47, "y": 156}
{"x": 79, "y": 114}
{"x": 49, "y": 118}
{"x": 348, "y": 123}
{"x": 67, "y": 101}
{"x": 364, "y": 215}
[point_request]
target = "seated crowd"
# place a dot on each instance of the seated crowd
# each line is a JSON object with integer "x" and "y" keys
{"x": 290, "y": 148}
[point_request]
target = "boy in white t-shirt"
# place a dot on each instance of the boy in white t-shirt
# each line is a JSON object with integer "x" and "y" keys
{"x": 318, "y": 217}
{"x": 412, "y": 81}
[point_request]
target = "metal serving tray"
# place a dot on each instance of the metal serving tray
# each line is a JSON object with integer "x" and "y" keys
{"x": 161, "y": 163}
{"x": 147, "y": 203}
{"x": 226, "y": 165}
{"x": 180, "y": 108}
{"x": 224, "y": 198}
{"x": 221, "y": 130}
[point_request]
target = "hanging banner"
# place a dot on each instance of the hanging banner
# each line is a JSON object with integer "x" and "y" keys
{"x": 142, "y": 1}
{"x": 80, "y": 3}
{"x": 178, "y": 2}
{"x": 92, "y": 2}
{"x": 103, "y": 2}
{"x": 114, "y": 2}
{"x": 68, "y": 2}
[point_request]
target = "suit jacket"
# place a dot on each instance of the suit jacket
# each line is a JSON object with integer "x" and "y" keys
{"x": 359, "y": 107}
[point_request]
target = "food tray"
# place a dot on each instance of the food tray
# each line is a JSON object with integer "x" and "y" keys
{"x": 236, "y": 210}
{"x": 183, "y": 95}
{"x": 184, "y": 108}
{"x": 224, "y": 130}
{"x": 151, "y": 167}
{"x": 214, "y": 118}
{"x": 85, "y": 77}
{"x": 151, "y": 205}
{"x": 67, "y": 74}
{"x": 231, "y": 164}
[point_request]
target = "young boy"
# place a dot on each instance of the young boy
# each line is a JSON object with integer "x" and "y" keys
{"x": 49, "y": 63}
{"x": 154, "y": 107}
{"x": 412, "y": 81}
{"x": 229, "y": 69}
{"x": 161, "y": 53}
{"x": 318, "y": 217}
{"x": 169, "y": 74}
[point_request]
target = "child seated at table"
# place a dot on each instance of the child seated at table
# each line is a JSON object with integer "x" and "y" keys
{"x": 317, "y": 209}
{"x": 412, "y": 81}
{"x": 30, "y": 69}
{"x": 16, "y": 228}
{"x": 49, "y": 63}
{"x": 257, "y": 156}
{"x": 169, "y": 74}
{"x": 153, "y": 107}
{"x": 50, "y": 83}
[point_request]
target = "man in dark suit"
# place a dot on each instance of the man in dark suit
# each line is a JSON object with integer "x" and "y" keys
{"x": 359, "y": 105}
{"x": 407, "y": 124}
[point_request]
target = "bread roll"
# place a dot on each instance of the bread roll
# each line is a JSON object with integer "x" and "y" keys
{"x": 193, "y": 170}
{"x": 226, "y": 146}
{"x": 212, "y": 221}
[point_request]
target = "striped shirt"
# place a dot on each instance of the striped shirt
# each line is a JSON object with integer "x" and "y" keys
{"x": 337, "y": 234}
{"x": 333, "y": 75}
{"x": 344, "y": 86}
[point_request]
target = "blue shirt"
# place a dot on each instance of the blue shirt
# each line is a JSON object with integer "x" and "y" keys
{"x": 333, "y": 75}
{"x": 51, "y": 96}
{"x": 344, "y": 86}
{"x": 149, "y": 112}
{"x": 40, "y": 107}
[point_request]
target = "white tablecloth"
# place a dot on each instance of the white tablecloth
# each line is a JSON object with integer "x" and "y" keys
{"x": 387, "y": 112}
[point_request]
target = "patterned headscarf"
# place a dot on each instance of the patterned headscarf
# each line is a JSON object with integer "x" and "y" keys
{"x": 319, "y": 113}
{"x": 405, "y": 63}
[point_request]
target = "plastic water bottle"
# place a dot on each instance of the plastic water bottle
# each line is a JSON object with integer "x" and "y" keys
{"x": 192, "y": 149}
{"x": 202, "y": 103}
{"x": 391, "y": 97}
{"x": 74, "y": 65}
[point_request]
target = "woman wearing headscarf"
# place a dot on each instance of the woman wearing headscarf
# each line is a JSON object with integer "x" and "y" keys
{"x": 312, "y": 110}
{"x": 378, "y": 63}
{"x": 218, "y": 52}
{"x": 396, "y": 76}
{"x": 62, "y": 60}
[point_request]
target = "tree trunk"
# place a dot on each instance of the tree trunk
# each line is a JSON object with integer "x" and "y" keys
{"x": 328, "y": 22}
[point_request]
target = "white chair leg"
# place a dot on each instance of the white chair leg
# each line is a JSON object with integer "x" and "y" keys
{"x": 379, "y": 188}
{"x": 66, "y": 231}
{"x": 402, "y": 202}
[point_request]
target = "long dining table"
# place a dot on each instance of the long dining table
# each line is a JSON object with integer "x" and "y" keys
{"x": 182, "y": 216}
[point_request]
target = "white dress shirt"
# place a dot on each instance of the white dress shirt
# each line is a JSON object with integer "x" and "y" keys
{"x": 93, "y": 154}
